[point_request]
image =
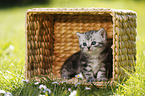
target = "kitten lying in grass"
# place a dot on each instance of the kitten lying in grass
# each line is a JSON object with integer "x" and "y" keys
{"x": 91, "y": 60}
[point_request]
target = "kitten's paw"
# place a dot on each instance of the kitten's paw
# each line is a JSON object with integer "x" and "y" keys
{"x": 90, "y": 80}
{"x": 102, "y": 79}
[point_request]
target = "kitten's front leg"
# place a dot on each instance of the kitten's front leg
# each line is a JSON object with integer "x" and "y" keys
{"x": 65, "y": 74}
{"x": 101, "y": 75}
{"x": 89, "y": 77}
{"x": 87, "y": 71}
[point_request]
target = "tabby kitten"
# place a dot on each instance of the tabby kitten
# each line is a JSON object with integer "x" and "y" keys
{"x": 91, "y": 60}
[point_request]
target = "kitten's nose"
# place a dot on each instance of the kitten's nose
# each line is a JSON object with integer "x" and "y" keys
{"x": 88, "y": 48}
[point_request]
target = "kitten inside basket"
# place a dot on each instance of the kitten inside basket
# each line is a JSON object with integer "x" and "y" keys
{"x": 91, "y": 60}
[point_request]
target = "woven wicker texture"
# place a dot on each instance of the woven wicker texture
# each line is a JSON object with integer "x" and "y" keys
{"x": 39, "y": 45}
{"x": 51, "y": 37}
{"x": 124, "y": 37}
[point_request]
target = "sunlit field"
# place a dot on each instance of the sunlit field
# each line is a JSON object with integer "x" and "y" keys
{"x": 12, "y": 53}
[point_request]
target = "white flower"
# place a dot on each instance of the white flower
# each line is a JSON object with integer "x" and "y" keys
{"x": 8, "y": 94}
{"x": 55, "y": 83}
{"x": 48, "y": 90}
{"x": 79, "y": 76}
{"x": 11, "y": 47}
{"x": 36, "y": 83}
{"x": 42, "y": 87}
{"x": 87, "y": 88}
{"x": 2, "y": 92}
{"x": 69, "y": 89}
{"x": 41, "y": 95}
{"x": 73, "y": 93}
{"x": 12, "y": 64}
{"x": 25, "y": 81}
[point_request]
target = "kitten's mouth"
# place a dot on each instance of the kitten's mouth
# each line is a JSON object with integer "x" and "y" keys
{"x": 89, "y": 50}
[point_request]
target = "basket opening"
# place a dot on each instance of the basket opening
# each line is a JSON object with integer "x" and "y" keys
{"x": 66, "y": 41}
{"x": 51, "y": 39}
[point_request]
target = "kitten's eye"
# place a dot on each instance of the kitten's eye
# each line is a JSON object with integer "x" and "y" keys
{"x": 84, "y": 44}
{"x": 93, "y": 43}
{"x": 100, "y": 45}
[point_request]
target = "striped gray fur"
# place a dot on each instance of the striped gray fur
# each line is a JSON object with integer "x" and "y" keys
{"x": 92, "y": 60}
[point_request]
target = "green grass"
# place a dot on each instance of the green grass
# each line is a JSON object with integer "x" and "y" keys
{"x": 12, "y": 61}
{"x": 58, "y": 89}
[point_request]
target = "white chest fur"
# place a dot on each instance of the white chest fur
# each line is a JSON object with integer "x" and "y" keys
{"x": 95, "y": 63}
{"x": 95, "y": 59}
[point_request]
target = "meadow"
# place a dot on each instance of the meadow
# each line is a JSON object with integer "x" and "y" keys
{"x": 12, "y": 52}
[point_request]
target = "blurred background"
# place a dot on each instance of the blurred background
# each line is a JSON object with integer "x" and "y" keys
{"x": 12, "y": 24}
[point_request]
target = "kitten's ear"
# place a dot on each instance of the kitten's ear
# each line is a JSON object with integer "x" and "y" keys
{"x": 79, "y": 34}
{"x": 103, "y": 33}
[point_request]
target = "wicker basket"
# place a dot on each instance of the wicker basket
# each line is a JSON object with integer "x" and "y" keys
{"x": 51, "y": 37}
